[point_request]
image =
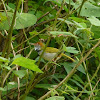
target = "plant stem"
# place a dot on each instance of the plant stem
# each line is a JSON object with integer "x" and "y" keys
{"x": 7, "y": 45}
{"x": 81, "y": 6}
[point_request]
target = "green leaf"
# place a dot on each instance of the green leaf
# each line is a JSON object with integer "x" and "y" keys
{"x": 20, "y": 73}
{"x": 85, "y": 34}
{"x": 66, "y": 21}
{"x": 94, "y": 21}
{"x": 78, "y": 19}
{"x": 83, "y": 25}
{"x": 60, "y": 1}
{"x": 77, "y": 83}
{"x": 88, "y": 9}
{"x": 78, "y": 78}
{"x": 11, "y": 85}
{"x": 2, "y": 89}
{"x": 70, "y": 88}
{"x": 4, "y": 60}
{"x": 56, "y": 98}
{"x": 67, "y": 68}
{"x": 70, "y": 49}
{"x": 45, "y": 86}
{"x": 27, "y": 63}
{"x": 64, "y": 33}
{"x": 6, "y": 66}
{"x": 23, "y": 20}
{"x": 97, "y": 52}
{"x": 17, "y": 56}
{"x": 29, "y": 98}
{"x": 78, "y": 24}
{"x": 96, "y": 31}
{"x": 68, "y": 64}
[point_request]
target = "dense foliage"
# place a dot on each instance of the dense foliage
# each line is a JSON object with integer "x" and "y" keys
{"x": 72, "y": 26}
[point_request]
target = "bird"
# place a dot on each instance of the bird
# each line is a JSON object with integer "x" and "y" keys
{"x": 49, "y": 53}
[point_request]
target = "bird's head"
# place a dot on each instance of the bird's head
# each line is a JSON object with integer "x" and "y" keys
{"x": 38, "y": 46}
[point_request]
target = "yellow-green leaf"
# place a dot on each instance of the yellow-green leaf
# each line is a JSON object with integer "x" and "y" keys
{"x": 27, "y": 63}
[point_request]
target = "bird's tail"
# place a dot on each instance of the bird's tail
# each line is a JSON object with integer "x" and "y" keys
{"x": 62, "y": 54}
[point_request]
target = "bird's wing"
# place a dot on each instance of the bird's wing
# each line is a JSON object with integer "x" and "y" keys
{"x": 51, "y": 50}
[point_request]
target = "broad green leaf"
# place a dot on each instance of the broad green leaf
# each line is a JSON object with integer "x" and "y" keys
{"x": 20, "y": 73}
{"x": 85, "y": 33}
{"x": 54, "y": 92}
{"x": 67, "y": 68}
{"x": 45, "y": 86}
{"x": 66, "y": 21}
{"x": 78, "y": 19}
{"x": 83, "y": 25}
{"x": 60, "y": 1}
{"x": 11, "y": 85}
{"x": 68, "y": 64}
{"x": 33, "y": 33}
{"x": 29, "y": 98}
{"x": 20, "y": 22}
{"x": 88, "y": 9}
{"x": 11, "y": 5}
{"x": 6, "y": 66}
{"x": 55, "y": 1}
{"x": 2, "y": 89}
{"x": 27, "y": 63}
{"x": 17, "y": 56}
{"x": 2, "y": 18}
{"x": 96, "y": 31}
{"x": 63, "y": 33}
{"x": 94, "y": 21}
{"x": 4, "y": 60}
{"x": 24, "y": 18}
{"x": 58, "y": 76}
{"x": 70, "y": 49}
{"x": 78, "y": 24}
{"x": 97, "y": 52}
{"x": 56, "y": 98}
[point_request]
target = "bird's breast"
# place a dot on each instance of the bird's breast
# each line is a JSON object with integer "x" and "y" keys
{"x": 48, "y": 56}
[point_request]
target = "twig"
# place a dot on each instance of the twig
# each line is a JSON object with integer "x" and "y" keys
{"x": 46, "y": 13}
{"x": 6, "y": 11}
{"x": 22, "y": 49}
{"x": 94, "y": 88}
{"x": 7, "y": 45}
{"x": 8, "y": 75}
{"x": 81, "y": 6}
{"x": 14, "y": 53}
{"x": 85, "y": 66}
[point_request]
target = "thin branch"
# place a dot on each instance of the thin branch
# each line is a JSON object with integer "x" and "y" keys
{"x": 46, "y": 13}
{"x": 6, "y": 12}
{"x": 14, "y": 53}
{"x": 85, "y": 66}
{"x": 94, "y": 88}
{"x": 7, "y": 45}
{"x": 81, "y": 6}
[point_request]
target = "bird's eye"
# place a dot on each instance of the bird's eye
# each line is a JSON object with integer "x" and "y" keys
{"x": 37, "y": 49}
